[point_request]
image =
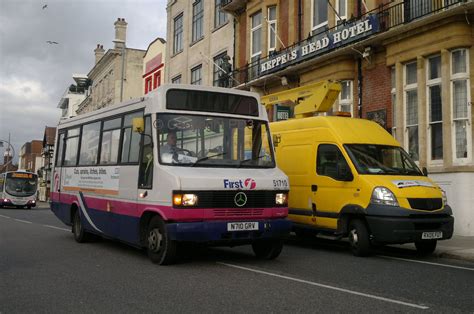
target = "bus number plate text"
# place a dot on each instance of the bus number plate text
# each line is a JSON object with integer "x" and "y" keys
{"x": 242, "y": 226}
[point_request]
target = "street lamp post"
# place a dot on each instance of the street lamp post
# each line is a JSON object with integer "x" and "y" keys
{"x": 9, "y": 160}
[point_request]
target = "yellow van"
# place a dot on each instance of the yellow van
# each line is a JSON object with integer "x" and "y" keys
{"x": 350, "y": 178}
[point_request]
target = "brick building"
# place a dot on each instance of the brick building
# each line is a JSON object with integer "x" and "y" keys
{"x": 407, "y": 64}
{"x": 30, "y": 156}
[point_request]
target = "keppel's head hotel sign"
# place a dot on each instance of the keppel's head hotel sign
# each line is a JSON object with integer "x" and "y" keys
{"x": 323, "y": 43}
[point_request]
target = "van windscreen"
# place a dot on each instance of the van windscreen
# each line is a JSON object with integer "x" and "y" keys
{"x": 381, "y": 159}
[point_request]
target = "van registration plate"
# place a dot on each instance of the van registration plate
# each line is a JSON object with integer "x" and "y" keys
{"x": 432, "y": 235}
{"x": 242, "y": 226}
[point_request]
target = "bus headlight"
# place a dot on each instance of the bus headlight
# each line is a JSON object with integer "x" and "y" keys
{"x": 445, "y": 198}
{"x": 281, "y": 198}
{"x": 185, "y": 199}
{"x": 383, "y": 196}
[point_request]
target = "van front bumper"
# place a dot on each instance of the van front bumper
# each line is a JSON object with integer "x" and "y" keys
{"x": 409, "y": 228}
{"x": 216, "y": 231}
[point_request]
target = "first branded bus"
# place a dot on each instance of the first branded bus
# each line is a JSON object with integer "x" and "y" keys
{"x": 184, "y": 164}
{"x": 18, "y": 189}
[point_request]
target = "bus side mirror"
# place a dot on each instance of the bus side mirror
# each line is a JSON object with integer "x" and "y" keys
{"x": 138, "y": 125}
{"x": 276, "y": 139}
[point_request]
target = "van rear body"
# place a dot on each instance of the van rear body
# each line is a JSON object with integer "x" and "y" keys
{"x": 350, "y": 178}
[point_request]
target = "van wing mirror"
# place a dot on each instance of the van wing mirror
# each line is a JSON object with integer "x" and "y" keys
{"x": 276, "y": 139}
{"x": 425, "y": 171}
{"x": 344, "y": 173}
{"x": 138, "y": 125}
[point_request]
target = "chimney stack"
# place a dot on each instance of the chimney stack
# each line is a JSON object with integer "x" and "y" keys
{"x": 99, "y": 53}
{"x": 120, "y": 33}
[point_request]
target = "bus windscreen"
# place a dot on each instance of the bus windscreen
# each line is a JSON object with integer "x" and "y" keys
{"x": 21, "y": 184}
{"x": 195, "y": 100}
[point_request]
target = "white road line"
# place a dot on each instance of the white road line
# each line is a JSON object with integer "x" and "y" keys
{"x": 327, "y": 286}
{"x": 423, "y": 262}
{"x": 5, "y": 216}
{"x": 54, "y": 227}
{"x": 25, "y": 221}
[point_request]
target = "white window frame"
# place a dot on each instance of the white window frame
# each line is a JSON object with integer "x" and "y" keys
{"x": 453, "y": 78}
{"x": 430, "y": 83}
{"x": 342, "y": 17}
{"x": 408, "y": 88}
{"x": 315, "y": 27}
{"x": 196, "y": 70}
{"x": 347, "y": 101}
{"x": 253, "y": 29}
{"x": 393, "y": 99}
{"x": 272, "y": 24}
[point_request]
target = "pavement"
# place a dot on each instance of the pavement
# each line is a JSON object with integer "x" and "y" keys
{"x": 458, "y": 247}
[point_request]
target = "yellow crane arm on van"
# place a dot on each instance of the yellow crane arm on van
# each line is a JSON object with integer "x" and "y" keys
{"x": 317, "y": 97}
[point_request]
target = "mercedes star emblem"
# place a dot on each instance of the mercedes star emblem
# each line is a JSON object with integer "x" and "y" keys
{"x": 240, "y": 199}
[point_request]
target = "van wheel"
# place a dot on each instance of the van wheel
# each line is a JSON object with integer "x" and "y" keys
{"x": 267, "y": 249}
{"x": 425, "y": 247}
{"x": 359, "y": 238}
{"x": 161, "y": 249}
{"x": 80, "y": 235}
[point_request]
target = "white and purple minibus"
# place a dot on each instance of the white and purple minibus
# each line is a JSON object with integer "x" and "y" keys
{"x": 184, "y": 164}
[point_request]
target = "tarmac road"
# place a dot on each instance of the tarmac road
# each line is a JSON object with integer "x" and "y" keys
{"x": 42, "y": 269}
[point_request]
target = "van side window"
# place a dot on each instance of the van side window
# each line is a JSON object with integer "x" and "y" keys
{"x": 329, "y": 160}
{"x": 145, "y": 178}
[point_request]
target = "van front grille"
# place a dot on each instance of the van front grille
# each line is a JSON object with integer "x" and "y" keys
{"x": 428, "y": 204}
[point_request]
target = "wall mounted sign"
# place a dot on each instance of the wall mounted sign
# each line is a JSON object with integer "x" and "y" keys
{"x": 379, "y": 116}
{"x": 344, "y": 34}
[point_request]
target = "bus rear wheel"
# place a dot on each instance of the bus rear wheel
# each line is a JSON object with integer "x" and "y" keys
{"x": 161, "y": 249}
{"x": 80, "y": 235}
{"x": 267, "y": 249}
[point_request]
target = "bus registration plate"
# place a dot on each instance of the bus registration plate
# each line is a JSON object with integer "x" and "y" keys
{"x": 432, "y": 235}
{"x": 242, "y": 226}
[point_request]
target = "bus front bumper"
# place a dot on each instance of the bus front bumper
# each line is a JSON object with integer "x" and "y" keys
{"x": 217, "y": 231}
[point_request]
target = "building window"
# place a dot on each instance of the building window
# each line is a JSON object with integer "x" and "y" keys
{"x": 148, "y": 84}
{"x": 255, "y": 42}
{"x": 341, "y": 9}
{"x": 220, "y": 75}
{"x": 157, "y": 79}
{"x": 345, "y": 97}
{"x": 220, "y": 17}
{"x": 460, "y": 106}
{"x": 435, "y": 111}
{"x": 411, "y": 110}
{"x": 393, "y": 93}
{"x": 176, "y": 80}
{"x": 198, "y": 16}
{"x": 320, "y": 15}
{"x": 178, "y": 34}
{"x": 272, "y": 28}
{"x": 196, "y": 78}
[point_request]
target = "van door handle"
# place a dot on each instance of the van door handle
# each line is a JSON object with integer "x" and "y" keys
{"x": 314, "y": 187}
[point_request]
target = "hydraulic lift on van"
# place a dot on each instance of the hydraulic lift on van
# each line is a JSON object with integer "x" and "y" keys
{"x": 317, "y": 97}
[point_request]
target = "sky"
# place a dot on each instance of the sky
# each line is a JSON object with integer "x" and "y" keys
{"x": 34, "y": 74}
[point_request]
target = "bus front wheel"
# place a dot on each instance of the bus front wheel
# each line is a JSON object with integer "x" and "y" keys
{"x": 267, "y": 249}
{"x": 161, "y": 249}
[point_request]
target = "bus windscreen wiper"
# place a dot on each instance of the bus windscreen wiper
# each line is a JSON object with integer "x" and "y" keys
{"x": 207, "y": 157}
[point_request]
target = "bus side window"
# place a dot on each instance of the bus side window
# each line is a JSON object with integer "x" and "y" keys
{"x": 109, "y": 147}
{"x": 130, "y": 140}
{"x": 145, "y": 178}
{"x": 59, "y": 152}
{"x": 72, "y": 145}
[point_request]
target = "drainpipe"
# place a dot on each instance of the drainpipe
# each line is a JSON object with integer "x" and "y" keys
{"x": 300, "y": 15}
{"x": 359, "y": 86}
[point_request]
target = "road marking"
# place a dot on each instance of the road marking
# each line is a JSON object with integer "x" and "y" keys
{"x": 54, "y": 227}
{"x": 25, "y": 221}
{"x": 5, "y": 216}
{"x": 327, "y": 286}
{"x": 423, "y": 262}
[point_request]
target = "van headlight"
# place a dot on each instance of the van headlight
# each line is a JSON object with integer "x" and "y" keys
{"x": 281, "y": 198}
{"x": 383, "y": 196}
{"x": 445, "y": 198}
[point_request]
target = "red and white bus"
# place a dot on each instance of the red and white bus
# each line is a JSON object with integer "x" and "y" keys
{"x": 18, "y": 189}
{"x": 183, "y": 164}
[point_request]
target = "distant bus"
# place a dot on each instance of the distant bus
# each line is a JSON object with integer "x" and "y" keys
{"x": 174, "y": 167}
{"x": 18, "y": 189}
